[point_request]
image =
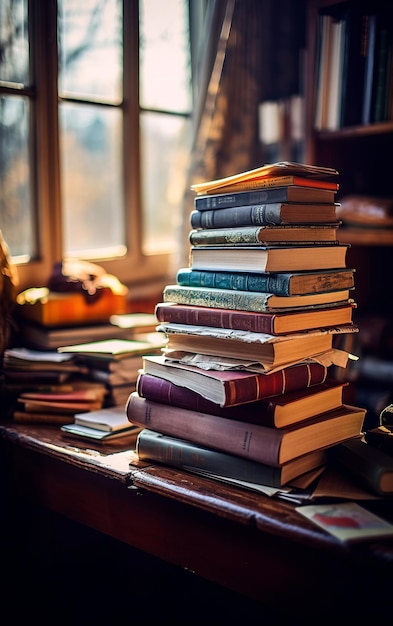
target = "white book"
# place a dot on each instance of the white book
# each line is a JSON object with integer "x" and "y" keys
{"x": 107, "y": 419}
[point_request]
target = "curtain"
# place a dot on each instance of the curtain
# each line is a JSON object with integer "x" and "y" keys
{"x": 251, "y": 53}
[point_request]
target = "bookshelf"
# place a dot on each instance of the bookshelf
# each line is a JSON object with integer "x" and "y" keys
{"x": 361, "y": 152}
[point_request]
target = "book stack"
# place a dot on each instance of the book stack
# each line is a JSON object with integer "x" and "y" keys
{"x": 243, "y": 390}
{"x": 105, "y": 425}
{"x": 115, "y": 363}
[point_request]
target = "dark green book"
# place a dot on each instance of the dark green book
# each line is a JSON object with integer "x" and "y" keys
{"x": 370, "y": 466}
{"x": 155, "y": 446}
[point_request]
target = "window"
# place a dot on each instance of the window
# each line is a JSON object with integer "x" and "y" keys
{"x": 95, "y": 115}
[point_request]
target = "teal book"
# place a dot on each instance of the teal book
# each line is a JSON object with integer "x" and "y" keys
{"x": 281, "y": 284}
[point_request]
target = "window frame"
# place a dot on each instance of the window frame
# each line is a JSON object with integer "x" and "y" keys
{"x": 135, "y": 268}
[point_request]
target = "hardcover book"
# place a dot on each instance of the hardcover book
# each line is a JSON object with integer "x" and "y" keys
{"x": 372, "y": 467}
{"x": 250, "y": 235}
{"x": 270, "y": 350}
{"x": 108, "y": 419}
{"x": 101, "y": 436}
{"x": 278, "y": 411}
{"x": 155, "y": 446}
{"x": 281, "y": 284}
{"x": 257, "y": 322}
{"x": 272, "y": 195}
{"x": 279, "y": 213}
{"x": 275, "y": 181}
{"x": 235, "y": 387}
{"x": 292, "y": 258}
{"x": 272, "y": 446}
{"x": 280, "y": 168}
{"x": 251, "y": 300}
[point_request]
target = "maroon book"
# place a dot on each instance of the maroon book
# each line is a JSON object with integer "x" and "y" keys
{"x": 276, "y": 411}
{"x": 273, "y": 446}
{"x": 232, "y": 387}
{"x": 257, "y": 322}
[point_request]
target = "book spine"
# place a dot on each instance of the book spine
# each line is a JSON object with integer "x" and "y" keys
{"x": 258, "y": 443}
{"x": 186, "y": 455}
{"x": 232, "y": 237}
{"x": 241, "y": 198}
{"x": 218, "y": 318}
{"x": 161, "y": 390}
{"x": 254, "y": 215}
{"x": 278, "y": 284}
{"x": 223, "y": 299}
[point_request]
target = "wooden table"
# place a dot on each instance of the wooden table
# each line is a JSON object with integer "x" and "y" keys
{"x": 257, "y": 546}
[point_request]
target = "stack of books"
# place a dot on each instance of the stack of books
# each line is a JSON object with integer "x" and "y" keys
{"x": 243, "y": 390}
{"x": 105, "y": 425}
{"x": 115, "y": 363}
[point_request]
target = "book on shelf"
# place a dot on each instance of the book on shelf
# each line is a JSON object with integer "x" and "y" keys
{"x": 353, "y": 64}
{"x": 269, "y": 195}
{"x": 270, "y": 350}
{"x": 277, "y": 213}
{"x": 371, "y": 25}
{"x": 382, "y": 74}
{"x": 347, "y": 521}
{"x": 269, "y": 170}
{"x": 256, "y": 235}
{"x": 281, "y": 284}
{"x": 108, "y": 419}
{"x": 228, "y": 388}
{"x": 381, "y": 438}
{"x": 255, "y": 301}
{"x": 372, "y": 467}
{"x": 276, "y": 411}
{"x": 97, "y": 435}
{"x": 257, "y": 322}
{"x": 293, "y": 258}
{"x": 183, "y": 454}
{"x": 272, "y": 446}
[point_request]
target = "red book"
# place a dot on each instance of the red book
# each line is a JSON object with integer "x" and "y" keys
{"x": 272, "y": 446}
{"x": 276, "y": 411}
{"x": 270, "y": 323}
{"x": 231, "y": 387}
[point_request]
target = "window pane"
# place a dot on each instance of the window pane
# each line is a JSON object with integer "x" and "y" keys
{"x": 14, "y": 43}
{"x": 90, "y": 49}
{"x": 91, "y": 171}
{"x": 163, "y": 178}
{"x": 164, "y": 56}
{"x": 16, "y": 212}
